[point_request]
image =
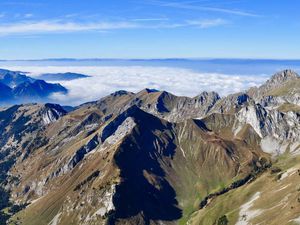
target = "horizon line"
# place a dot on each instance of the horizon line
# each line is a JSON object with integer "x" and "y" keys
{"x": 147, "y": 59}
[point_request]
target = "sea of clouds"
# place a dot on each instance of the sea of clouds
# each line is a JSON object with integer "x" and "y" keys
{"x": 107, "y": 79}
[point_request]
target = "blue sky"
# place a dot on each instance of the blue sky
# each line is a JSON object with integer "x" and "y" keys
{"x": 34, "y": 29}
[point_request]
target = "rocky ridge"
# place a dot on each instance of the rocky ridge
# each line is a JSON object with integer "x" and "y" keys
{"x": 144, "y": 158}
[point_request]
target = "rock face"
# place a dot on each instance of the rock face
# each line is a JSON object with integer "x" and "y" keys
{"x": 149, "y": 157}
{"x": 52, "y": 112}
{"x": 231, "y": 103}
{"x": 284, "y": 126}
{"x": 20, "y": 125}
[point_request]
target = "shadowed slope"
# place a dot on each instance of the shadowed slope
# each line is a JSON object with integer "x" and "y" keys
{"x": 144, "y": 191}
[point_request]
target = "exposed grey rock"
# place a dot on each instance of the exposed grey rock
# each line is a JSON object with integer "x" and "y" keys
{"x": 270, "y": 124}
{"x": 231, "y": 103}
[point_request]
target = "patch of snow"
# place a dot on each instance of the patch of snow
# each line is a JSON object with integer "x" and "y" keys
{"x": 237, "y": 130}
{"x": 288, "y": 173}
{"x": 282, "y": 188}
{"x": 183, "y": 152}
{"x": 282, "y": 204}
{"x": 35, "y": 200}
{"x": 180, "y": 138}
{"x": 296, "y": 220}
{"x": 55, "y": 219}
{"x": 246, "y": 214}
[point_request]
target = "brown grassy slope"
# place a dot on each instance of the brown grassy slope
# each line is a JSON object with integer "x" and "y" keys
{"x": 278, "y": 201}
{"x": 192, "y": 159}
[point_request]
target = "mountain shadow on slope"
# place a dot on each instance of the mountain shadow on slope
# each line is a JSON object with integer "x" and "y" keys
{"x": 144, "y": 192}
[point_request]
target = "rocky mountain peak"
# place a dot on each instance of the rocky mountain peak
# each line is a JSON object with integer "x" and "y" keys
{"x": 52, "y": 112}
{"x": 147, "y": 91}
{"x": 282, "y": 77}
{"x": 150, "y": 90}
{"x": 280, "y": 83}
{"x": 213, "y": 96}
{"x": 120, "y": 93}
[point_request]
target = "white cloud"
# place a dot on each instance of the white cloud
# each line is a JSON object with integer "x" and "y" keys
{"x": 59, "y": 26}
{"x": 207, "y": 23}
{"x": 106, "y": 80}
{"x": 28, "y": 15}
{"x": 150, "y": 19}
{"x": 190, "y": 6}
{"x": 27, "y": 27}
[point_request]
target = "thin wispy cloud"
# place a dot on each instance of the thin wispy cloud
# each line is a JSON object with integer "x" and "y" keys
{"x": 57, "y": 26}
{"x": 207, "y": 23}
{"x": 16, "y": 15}
{"x": 150, "y": 19}
{"x": 201, "y": 23}
{"x": 72, "y": 15}
{"x": 23, "y": 16}
{"x": 21, "y": 3}
{"x": 192, "y": 6}
{"x": 28, "y": 15}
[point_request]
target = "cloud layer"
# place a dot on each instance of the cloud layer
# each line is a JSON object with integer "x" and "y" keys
{"x": 105, "y": 80}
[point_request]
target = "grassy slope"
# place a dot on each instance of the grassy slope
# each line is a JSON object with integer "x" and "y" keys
{"x": 192, "y": 181}
{"x": 206, "y": 167}
{"x": 276, "y": 196}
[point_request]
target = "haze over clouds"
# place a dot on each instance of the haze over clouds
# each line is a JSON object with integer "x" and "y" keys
{"x": 106, "y": 80}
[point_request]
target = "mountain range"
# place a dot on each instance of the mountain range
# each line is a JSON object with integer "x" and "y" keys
{"x": 155, "y": 158}
{"x": 61, "y": 76}
{"x": 16, "y": 87}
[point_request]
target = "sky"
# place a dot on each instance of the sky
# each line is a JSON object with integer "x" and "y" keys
{"x": 38, "y": 29}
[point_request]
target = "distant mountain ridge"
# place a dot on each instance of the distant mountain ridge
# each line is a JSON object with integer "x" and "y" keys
{"x": 13, "y": 78}
{"x": 16, "y": 87}
{"x": 61, "y": 76}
